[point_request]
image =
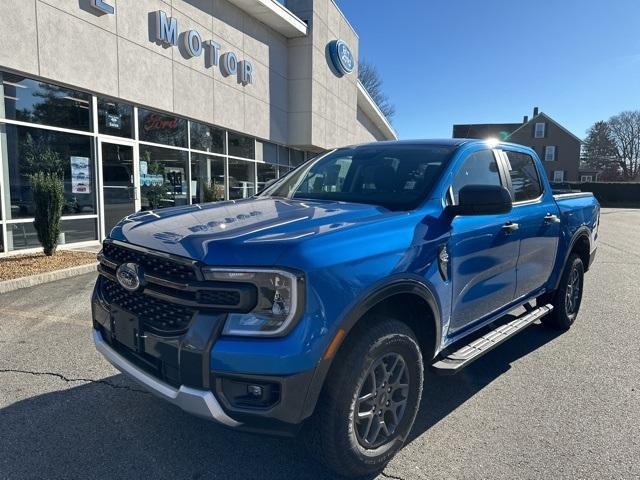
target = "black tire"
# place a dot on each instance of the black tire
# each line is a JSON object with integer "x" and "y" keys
{"x": 344, "y": 445}
{"x": 567, "y": 299}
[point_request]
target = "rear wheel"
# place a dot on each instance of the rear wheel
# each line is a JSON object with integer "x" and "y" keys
{"x": 567, "y": 299}
{"x": 370, "y": 399}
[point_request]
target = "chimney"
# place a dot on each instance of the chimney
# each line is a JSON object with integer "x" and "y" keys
{"x": 535, "y": 111}
{"x": 525, "y": 119}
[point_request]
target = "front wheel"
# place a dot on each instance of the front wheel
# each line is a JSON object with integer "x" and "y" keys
{"x": 567, "y": 299}
{"x": 370, "y": 399}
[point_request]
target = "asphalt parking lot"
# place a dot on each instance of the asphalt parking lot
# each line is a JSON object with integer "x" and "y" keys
{"x": 542, "y": 405}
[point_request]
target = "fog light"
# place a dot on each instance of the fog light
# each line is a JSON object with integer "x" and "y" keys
{"x": 248, "y": 393}
{"x": 254, "y": 390}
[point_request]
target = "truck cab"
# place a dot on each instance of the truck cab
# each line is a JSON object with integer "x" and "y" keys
{"x": 316, "y": 305}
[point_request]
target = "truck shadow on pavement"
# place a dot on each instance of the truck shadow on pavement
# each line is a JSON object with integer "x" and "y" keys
{"x": 443, "y": 394}
{"x": 111, "y": 429}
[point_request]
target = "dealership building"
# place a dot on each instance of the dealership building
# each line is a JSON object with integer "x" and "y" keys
{"x": 147, "y": 104}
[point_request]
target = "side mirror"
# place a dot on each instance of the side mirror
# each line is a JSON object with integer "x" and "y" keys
{"x": 481, "y": 200}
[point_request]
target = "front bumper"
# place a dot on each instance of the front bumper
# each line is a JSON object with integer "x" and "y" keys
{"x": 197, "y": 402}
{"x": 180, "y": 370}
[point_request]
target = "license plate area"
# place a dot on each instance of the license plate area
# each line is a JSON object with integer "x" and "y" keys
{"x": 127, "y": 329}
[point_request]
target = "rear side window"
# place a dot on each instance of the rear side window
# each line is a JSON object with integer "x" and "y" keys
{"x": 524, "y": 177}
{"x": 479, "y": 168}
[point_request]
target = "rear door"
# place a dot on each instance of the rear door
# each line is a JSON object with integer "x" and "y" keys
{"x": 536, "y": 213}
{"x": 483, "y": 250}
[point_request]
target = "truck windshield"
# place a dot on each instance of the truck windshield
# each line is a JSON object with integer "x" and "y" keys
{"x": 397, "y": 177}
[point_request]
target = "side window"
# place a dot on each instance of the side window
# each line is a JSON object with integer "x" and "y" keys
{"x": 524, "y": 177}
{"x": 479, "y": 168}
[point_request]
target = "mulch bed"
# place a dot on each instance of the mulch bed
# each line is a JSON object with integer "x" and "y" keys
{"x": 32, "y": 264}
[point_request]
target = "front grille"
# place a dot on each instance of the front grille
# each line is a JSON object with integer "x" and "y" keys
{"x": 152, "y": 264}
{"x": 157, "y": 316}
{"x": 219, "y": 297}
{"x": 172, "y": 292}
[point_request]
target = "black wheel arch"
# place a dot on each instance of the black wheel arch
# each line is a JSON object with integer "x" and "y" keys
{"x": 580, "y": 244}
{"x": 394, "y": 287}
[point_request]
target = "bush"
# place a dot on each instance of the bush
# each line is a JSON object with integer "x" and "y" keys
{"x": 609, "y": 194}
{"x": 613, "y": 194}
{"x": 212, "y": 191}
{"x": 48, "y": 199}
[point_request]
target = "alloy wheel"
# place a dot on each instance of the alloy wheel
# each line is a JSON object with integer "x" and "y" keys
{"x": 381, "y": 401}
{"x": 572, "y": 298}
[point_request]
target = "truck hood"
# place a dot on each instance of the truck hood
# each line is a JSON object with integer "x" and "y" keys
{"x": 255, "y": 231}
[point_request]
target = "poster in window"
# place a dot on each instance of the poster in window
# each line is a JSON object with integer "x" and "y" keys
{"x": 80, "y": 175}
{"x": 113, "y": 121}
{"x": 176, "y": 177}
{"x": 147, "y": 179}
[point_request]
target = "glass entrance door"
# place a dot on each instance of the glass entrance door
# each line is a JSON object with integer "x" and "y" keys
{"x": 118, "y": 183}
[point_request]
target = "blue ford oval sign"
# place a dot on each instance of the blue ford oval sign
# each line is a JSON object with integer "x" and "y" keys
{"x": 129, "y": 276}
{"x": 341, "y": 57}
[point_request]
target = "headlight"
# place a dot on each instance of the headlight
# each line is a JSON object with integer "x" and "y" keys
{"x": 277, "y": 305}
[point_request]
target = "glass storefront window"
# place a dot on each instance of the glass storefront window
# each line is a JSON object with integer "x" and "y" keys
{"x": 163, "y": 171}
{"x": 206, "y": 138}
{"x": 283, "y": 155}
{"x": 207, "y": 178}
{"x": 115, "y": 118}
{"x": 241, "y": 179}
{"x": 311, "y": 155}
{"x": 241, "y": 146}
{"x": 31, "y": 150}
{"x": 78, "y": 230}
{"x": 268, "y": 152}
{"x": 266, "y": 173}
{"x": 162, "y": 128}
{"x": 118, "y": 183}
{"x": 296, "y": 157}
{"x": 163, "y": 177}
{"x": 282, "y": 171}
{"x": 21, "y": 236}
{"x": 32, "y": 101}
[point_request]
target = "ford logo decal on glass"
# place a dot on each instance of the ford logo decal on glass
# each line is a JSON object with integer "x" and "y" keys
{"x": 341, "y": 57}
{"x": 129, "y": 276}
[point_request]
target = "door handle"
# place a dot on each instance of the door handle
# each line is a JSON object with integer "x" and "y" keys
{"x": 510, "y": 227}
{"x": 550, "y": 218}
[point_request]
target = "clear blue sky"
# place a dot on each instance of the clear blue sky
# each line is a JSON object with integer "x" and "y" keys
{"x": 484, "y": 61}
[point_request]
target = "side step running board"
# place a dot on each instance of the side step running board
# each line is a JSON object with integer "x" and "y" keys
{"x": 462, "y": 357}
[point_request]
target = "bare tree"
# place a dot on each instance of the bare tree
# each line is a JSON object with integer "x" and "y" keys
{"x": 625, "y": 132}
{"x": 614, "y": 145}
{"x": 372, "y": 82}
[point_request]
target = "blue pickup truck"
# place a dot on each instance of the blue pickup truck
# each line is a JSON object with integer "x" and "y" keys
{"x": 320, "y": 301}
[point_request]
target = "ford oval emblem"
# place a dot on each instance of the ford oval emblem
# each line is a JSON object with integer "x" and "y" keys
{"x": 129, "y": 276}
{"x": 341, "y": 57}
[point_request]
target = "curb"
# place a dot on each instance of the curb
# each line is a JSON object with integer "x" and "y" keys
{"x": 33, "y": 280}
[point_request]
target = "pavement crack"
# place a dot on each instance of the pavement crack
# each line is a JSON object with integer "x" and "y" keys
{"x": 619, "y": 249}
{"x": 73, "y": 380}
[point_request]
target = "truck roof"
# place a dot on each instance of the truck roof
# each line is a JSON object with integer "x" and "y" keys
{"x": 449, "y": 142}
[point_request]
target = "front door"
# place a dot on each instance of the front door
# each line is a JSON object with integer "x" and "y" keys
{"x": 118, "y": 183}
{"x": 483, "y": 249}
